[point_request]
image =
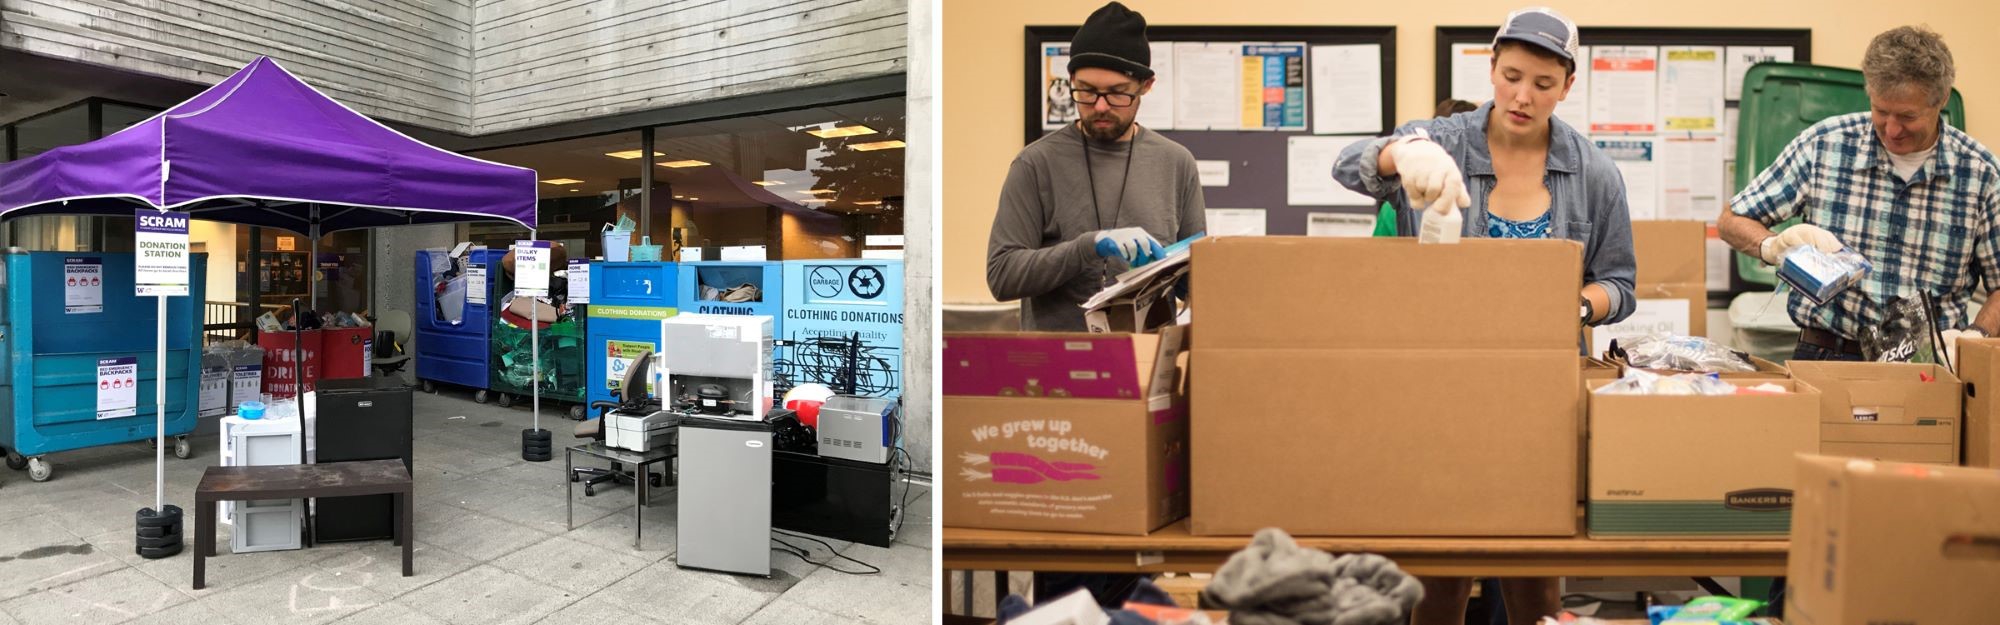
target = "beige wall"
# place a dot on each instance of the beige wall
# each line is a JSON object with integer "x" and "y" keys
{"x": 983, "y": 51}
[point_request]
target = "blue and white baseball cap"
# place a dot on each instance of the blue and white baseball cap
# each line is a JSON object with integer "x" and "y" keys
{"x": 1541, "y": 26}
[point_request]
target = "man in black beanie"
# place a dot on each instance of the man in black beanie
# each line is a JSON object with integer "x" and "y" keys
{"x": 1086, "y": 202}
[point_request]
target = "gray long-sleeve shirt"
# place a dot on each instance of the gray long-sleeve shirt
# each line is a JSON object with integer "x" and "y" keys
{"x": 1042, "y": 247}
{"x": 1586, "y": 194}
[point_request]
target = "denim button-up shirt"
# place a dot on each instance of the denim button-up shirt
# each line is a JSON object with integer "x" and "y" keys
{"x": 1586, "y": 194}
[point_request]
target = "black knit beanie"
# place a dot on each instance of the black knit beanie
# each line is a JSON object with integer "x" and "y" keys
{"x": 1114, "y": 38}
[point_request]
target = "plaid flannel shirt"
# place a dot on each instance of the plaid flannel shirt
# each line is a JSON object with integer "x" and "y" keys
{"x": 1935, "y": 233}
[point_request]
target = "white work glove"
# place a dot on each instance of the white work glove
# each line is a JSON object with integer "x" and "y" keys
{"x": 1430, "y": 176}
{"x": 1774, "y": 247}
{"x": 1131, "y": 244}
{"x": 1951, "y": 338}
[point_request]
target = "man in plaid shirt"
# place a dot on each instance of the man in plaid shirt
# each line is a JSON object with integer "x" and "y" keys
{"x": 1915, "y": 196}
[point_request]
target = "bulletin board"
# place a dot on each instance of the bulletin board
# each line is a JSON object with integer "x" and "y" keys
{"x": 1660, "y": 101}
{"x": 1320, "y": 87}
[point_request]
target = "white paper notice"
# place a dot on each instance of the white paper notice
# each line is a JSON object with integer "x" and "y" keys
{"x": 117, "y": 387}
{"x": 749, "y": 253}
{"x": 1691, "y": 89}
{"x": 1690, "y": 178}
{"x": 1638, "y": 163}
{"x": 1742, "y": 58}
{"x": 1472, "y": 72}
{"x": 1721, "y": 260}
{"x": 1650, "y": 316}
{"x": 531, "y": 268}
{"x": 1347, "y": 89}
{"x": 1340, "y": 225}
{"x": 1729, "y": 134}
{"x": 1575, "y": 109}
{"x": 578, "y": 277}
{"x": 475, "y": 285}
{"x": 1156, "y": 110}
{"x": 1057, "y": 107}
{"x": 1309, "y": 172}
{"x": 83, "y": 285}
{"x": 1208, "y": 83}
{"x": 1213, "y": 173}
{"x": 1233, "y": 222}
{"x": 1623, "y": 93}
{"x": 690, "y": 254}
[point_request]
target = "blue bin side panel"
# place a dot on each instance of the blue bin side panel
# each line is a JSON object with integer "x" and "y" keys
{"x": 838, "y": 299}
{"x": 52, "y": 355}
{"x": 627, "y": 302}
{"x": 454, "y": 354}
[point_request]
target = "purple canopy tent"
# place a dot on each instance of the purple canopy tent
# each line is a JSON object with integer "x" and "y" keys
{"x": 263, "y": 148}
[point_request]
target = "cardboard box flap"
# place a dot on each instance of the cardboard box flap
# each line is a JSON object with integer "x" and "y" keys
{"x": 1062, "y": 364}
{"x": 1341, "y": 293}
{"x": 1671, "y": 253}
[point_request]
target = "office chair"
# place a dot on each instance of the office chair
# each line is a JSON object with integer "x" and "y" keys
{"x": 631, "y": 396}
{"x": 392, "y": 341}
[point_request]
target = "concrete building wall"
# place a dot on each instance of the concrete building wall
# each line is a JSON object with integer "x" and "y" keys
{"x": 537, "y": 62}
{"x": 919, "y": 240}
{"x": 406, "y": 60}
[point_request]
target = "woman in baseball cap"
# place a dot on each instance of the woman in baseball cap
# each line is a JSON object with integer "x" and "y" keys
{"x": 1517, "y": 172}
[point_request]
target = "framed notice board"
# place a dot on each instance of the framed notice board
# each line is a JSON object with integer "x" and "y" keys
{"x": 1244, "y": 100}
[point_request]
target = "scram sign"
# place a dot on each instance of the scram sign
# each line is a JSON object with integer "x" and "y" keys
{"x": 161, "y": 264}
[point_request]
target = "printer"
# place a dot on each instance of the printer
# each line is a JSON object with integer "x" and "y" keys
{"x": 640, "y": 431}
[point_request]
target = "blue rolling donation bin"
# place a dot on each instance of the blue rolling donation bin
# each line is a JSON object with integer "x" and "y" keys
{"x": 448, "y": 352}
{"x": 627, "y": 302}
{"x": 80, "y": 361}
{"x": 842, "y": 311}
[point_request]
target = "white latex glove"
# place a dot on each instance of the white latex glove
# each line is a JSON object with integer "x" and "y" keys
{"x": 1803, "y": 234}
{"x": 1131, "y": 244}
{"x": 1430, "y": 176}
{"x": 1951, "y": 338}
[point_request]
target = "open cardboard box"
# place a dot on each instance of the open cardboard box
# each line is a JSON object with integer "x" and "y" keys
{"x": 1065, "y": 432}
{"x": 1885, "y": 411}
{"x": 1886, "y": 542}
{"x": 1672, "y": 272}
{"x": 1347, "y": 387}
{"x": 1694, "y": 466}
{"x": 1979, "y": 369}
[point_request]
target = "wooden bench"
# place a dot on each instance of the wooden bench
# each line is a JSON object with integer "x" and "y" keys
{"x": 297, "y": 481}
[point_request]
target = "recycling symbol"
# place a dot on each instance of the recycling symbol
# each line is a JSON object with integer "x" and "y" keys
{"x": 866, "y": 282}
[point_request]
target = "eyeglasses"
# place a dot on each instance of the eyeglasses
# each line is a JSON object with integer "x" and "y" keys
{"x": 1113, "y": 98}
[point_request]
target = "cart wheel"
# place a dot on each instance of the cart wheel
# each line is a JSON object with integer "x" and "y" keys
{"x": 430, "y": 387}
{"x": 576, "y": 412}
{"x": 589, "y": 491}
{"x": 479, "y": 396}
{"x": 654, "y": 479}
{"x": 504, "y": 400}
{"x": 16, "y": 461}
{"x": 182, "y": 449}
{"x": 39, "y": 470}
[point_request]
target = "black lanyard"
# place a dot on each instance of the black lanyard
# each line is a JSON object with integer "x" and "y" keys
{"x": 1096, "y": 211}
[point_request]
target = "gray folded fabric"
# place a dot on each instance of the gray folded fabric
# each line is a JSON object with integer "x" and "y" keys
{"x": 1276, "y": 582}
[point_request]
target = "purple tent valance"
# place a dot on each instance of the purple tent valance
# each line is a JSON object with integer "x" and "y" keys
{"x": 263, "y": 148}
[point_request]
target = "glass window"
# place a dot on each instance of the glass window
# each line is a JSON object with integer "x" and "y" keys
{"x": 67, "y": 126}
{"x": 584, "y": 184}
{"x": 6, "y": 135}
{"x": 808, "y": 183}
{"x": 116, "y": 117}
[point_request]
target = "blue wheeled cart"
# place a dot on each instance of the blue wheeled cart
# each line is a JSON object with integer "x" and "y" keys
{"x": 627, "y": 302}
{"x": 78, "y": 356}
{"x": 454, "y": 320}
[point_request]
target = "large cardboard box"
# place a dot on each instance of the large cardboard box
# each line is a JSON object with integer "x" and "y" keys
{"x": 1594, "y": 370}
{"x": 1065, "y": 432}
{"x": 1979, "y": 368}
{"x": 1886, "y": 411}
{"x": 1698, "y": 466}
{"x": 1671, "y": 282}
{"x": 1882, "y": 542}
{"x": 1381, "y": 387}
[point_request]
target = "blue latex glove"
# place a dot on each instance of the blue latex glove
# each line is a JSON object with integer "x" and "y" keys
{"x": 1131, "y": 244}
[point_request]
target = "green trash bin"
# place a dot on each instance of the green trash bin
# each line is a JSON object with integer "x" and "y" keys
{"x": 512, "y": 374}
{"x": 1781, "y": 100}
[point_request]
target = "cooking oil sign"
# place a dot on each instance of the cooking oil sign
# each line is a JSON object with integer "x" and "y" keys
{"x": 161, "y": 243}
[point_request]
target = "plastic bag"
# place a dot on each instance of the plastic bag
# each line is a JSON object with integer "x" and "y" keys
{"x": 1642, "y": 382}
{"x": 1908, "y": 333}
{"x": 1661, "y": 350}
{"x": 1820, "y": 275}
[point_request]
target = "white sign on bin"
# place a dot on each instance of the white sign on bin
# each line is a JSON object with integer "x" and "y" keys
{"x": 83, "y": 285}
{"x": 531, "y": 268}
{"x": 117, "y": 387}
{"x": 579, "y": 281}
{"x": 161, "y": 243}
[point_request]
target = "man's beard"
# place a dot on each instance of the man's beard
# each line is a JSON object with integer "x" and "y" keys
{"x": 1115, "y": 132}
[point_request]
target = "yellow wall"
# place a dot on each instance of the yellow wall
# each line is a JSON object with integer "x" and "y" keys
{"x": 983, "y": 51}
